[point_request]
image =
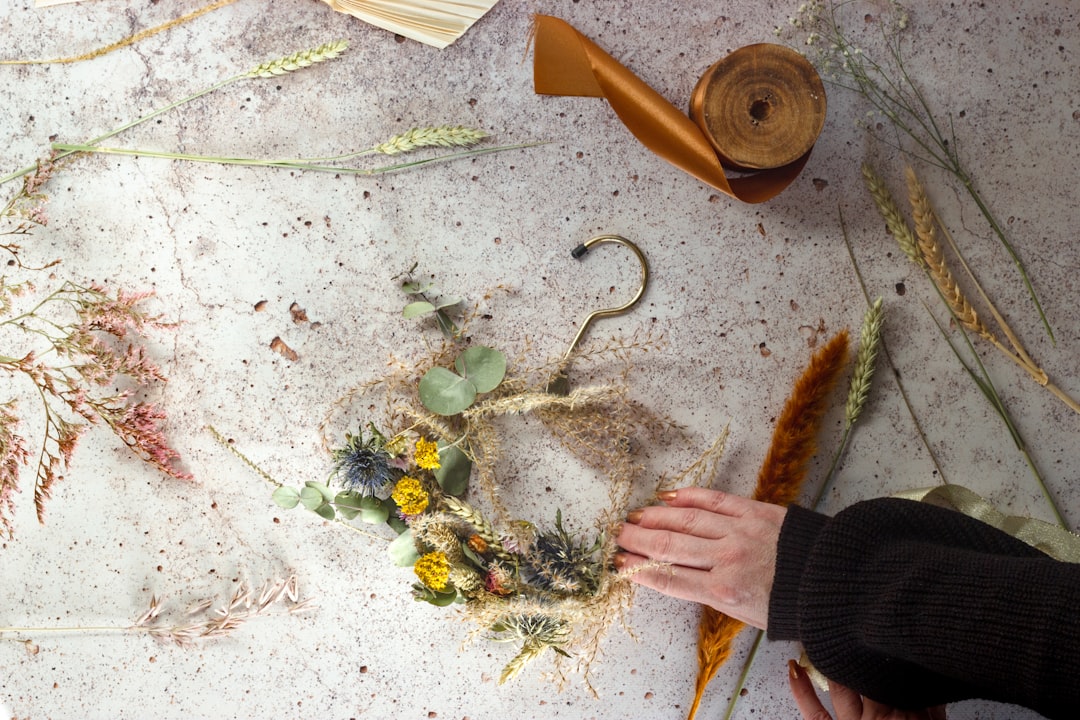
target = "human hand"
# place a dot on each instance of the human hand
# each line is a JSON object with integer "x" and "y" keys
{"x": 721, "y": 547}
{"x": 847, "y": 703}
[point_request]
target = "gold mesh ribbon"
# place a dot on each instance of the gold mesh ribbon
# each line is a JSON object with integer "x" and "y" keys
{"x": 568, "y": 63}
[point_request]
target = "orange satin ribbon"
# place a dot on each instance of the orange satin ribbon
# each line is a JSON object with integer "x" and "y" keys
{"x": 568, "y": 63}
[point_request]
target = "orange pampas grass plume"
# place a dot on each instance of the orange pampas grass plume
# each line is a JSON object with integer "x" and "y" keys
{"x": 779, "y": 482}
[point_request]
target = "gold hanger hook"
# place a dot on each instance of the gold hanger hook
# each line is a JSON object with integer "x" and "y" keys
{"x": 560, "y": 383}
{"x": 580, "y": 252}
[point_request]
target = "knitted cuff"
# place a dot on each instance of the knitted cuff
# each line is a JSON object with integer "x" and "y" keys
{"x": 797, "y": 536}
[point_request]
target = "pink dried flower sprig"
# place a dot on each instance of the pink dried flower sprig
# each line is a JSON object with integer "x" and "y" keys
{"x": 82, "y": 340}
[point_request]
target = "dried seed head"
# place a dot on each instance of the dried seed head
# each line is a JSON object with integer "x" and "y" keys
{"x": 298, "y": 60}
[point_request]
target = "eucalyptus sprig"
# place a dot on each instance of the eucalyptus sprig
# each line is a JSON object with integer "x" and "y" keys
{"x": 479, "y": 370}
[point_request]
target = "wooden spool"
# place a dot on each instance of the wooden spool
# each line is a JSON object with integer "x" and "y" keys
{"x": 761, "y": 107}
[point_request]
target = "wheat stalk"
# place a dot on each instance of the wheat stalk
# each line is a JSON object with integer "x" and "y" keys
{"x": 869, "y": 342}
{"x": 934, "y": 257}
{"x": 889, "y": 210}
{"x": 440, "y": 136}
{"x": 926, "y": 221}
{"x": 298, "y": 60}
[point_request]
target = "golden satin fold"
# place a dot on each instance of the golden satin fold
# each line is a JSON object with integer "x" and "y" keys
{"x": 565, "y": 62}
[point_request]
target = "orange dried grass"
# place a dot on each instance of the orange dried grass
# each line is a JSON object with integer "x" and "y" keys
{"x": 779, "y": 481}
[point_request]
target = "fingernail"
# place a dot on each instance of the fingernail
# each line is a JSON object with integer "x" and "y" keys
{"x": 616, "y": 530}
{"x": 793, "y": 669}
{"x": 634, "y": 516}
{"x": 619, "y": 561}
{"x": 666, "y": 495}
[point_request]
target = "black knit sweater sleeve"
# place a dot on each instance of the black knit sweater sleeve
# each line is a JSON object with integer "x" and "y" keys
{"x": 914, "y": 605}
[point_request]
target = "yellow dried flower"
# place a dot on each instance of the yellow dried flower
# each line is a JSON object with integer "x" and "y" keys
{"x": 410, "y": 496}
{"x": 433, "y": 570}
{"x": 427, "y": 454}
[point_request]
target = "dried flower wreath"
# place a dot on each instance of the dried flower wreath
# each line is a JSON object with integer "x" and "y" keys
{"x": 431, "y": 459}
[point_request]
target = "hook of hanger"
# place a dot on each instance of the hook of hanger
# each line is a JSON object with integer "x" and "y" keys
{"x": 559, "y": 385}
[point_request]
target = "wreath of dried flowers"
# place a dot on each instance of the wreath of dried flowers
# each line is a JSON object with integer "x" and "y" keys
{"x": 431, "y": 459}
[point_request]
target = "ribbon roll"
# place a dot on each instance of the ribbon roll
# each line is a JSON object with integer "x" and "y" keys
{"x": 760, "y": 109}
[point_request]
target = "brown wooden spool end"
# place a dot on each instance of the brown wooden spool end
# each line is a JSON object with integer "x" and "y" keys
{"x": 761, "y": 107}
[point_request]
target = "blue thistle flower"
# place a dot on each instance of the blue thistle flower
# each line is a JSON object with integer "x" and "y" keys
{"x": 363, "y": 466}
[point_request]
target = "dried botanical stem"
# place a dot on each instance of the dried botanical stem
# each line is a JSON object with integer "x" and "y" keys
{"x": 1040, "y": 376}
{"x": 242, "y": 606}
{"x": 289, "y": 63}
{"x": 930, "y": 256}
{"x": 441, "y": 136}
{"x": 293, "y": 164}
{"x": 935, "y": 260}
{"x": 869, "y": 342}
{"x": 894, "y": 219}
{"x": 298, "y": 60}
{"x": 484, "y": 528}
{"x": 893, "y": 93}
{"x": 130, "y": 40}
{"x": 926, "y": 222}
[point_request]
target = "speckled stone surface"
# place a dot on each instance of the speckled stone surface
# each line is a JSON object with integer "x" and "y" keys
{"x": 740, "y": 292}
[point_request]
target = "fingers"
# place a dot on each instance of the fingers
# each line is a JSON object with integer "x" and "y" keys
{"x": 669, "y": 546}
{"x": 805, "y": 697}
{"x": 681, "y": 582}
{"x": 713, "y": 501}
{"x": 846, "y": 702}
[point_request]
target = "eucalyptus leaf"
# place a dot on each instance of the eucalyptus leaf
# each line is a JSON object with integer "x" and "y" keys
{"x": 286, "y": 497}
{"x": 446, "y": 325}
{"x": 395, "y": 523}
{"x": 414, "y": 288}
{"x": 485, "y": 367}
{"x": 311, "y": 498}
{"x": 447, "y": 302}
{"x": 348, "y": 504}
{"x": 416, "y": 309}
{"x": 370, "y": 502}
{"x": 445, "y": 393}
{"x": 327, "y": 493}
{"x": 454, "y": 469}
{"x": 441, "y": 599}
{"x": 325, "y": 511}
{"x": 376, "y": 515}
{"x": 403, "y": 550}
